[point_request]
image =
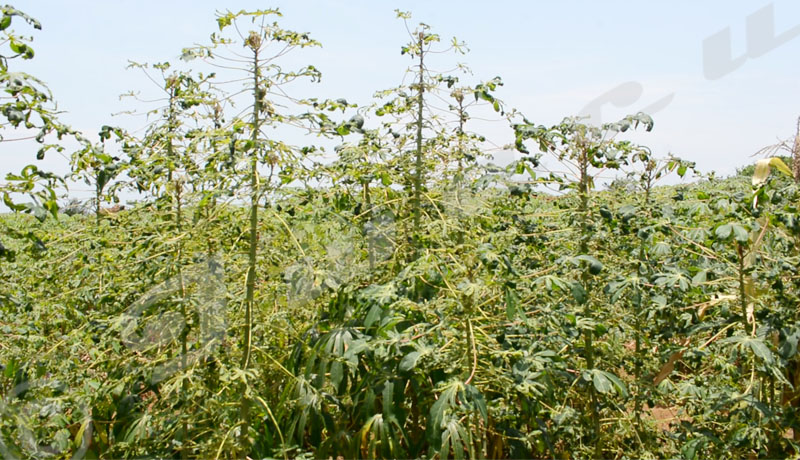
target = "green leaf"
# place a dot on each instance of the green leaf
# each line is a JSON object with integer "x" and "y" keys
{"x": 723, "y": 232}
{"x": 578, "y": 293}
{"x": 740, "y": 234}
{"x": 512, "y": 303}
{"x": 11, "y": 205}
{"x": 699, "y": 278}
{"x": 410, "y": 361}
{"x": 659, "y": 300}
{"x": 606, "y": 382}
{"x": 601, "y": 383}
{"x": 337, "y": 373}
{"x": 373, "y": 315}
{"x": 388, "y": 399}
{"x": 756, "y": 345}
{"x": 690, "y": 449}
{"x": 595, "y": 267}
{"x": 224, "y": 21}
{"x": 761, "y": 350}
{"x": 39, "y": 212}
{"x": 17, "y": 47}
{"x": 102, "y": 179}
{"x": 789, "y": 347}
{"x": 620, "y": 387}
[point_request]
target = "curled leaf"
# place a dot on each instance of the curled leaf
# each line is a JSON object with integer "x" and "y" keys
{"x": 763, "y": 167}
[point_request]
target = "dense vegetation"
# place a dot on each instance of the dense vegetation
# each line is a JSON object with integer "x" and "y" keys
{"x": 402, "y": 298}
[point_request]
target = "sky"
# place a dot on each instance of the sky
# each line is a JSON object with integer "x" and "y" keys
{"x": 719, "y": 77}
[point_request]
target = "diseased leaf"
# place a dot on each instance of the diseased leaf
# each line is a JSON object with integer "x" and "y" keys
{"x": 668, "y": 367}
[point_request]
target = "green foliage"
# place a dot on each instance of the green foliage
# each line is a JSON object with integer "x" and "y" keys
{"x": 404, "y": 300}
{"x": 28, "y": 104}
{"x": 29, "y": 112}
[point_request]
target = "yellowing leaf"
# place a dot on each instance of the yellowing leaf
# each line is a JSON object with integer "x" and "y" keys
{"x": 778, "y": 164}
{"x": 763, "y": 168}
{"x": 761, "y": 172}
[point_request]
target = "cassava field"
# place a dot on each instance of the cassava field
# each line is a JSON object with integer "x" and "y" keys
{"x": 397, "y": 296}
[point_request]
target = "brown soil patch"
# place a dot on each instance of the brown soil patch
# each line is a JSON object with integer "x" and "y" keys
{"x": 665, "y": 416}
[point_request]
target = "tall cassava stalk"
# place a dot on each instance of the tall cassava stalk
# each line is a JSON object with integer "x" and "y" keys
{"x": 792, "y": 393}
{"x": 95, "y": 165}
{"x": 177, "y": 188}
{"x": 586, "y": 233}
{"x": 182, "y": 291}
{"x": 254, "y": 43}
{"x": 217, "y": 117}
{"x": 422, "y": 134}
{"x": 418, "y": 161}
{"x": 796, "y": 153}
{"x": 459, "y": 177}
{"x": 740, "y": 269}
{"x": 639, "y": 296}
{"x": 462, "y": 118}
{"x": 370, "y": 242}
{"x": 265, "y": 44}
{"x": 98, "y": 194}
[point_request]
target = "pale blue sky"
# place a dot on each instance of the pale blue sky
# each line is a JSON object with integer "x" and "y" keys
{"x": 554, "y": 57}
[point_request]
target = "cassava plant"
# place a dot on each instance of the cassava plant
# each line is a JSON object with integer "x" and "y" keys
{"x": 397, "y": 347}
{"x": 98, "y": 168}
{"x": 414, "y": 140}
{"x": 164, "y": 163}
{"x": 426, "y": 134}
{"x": 261, "y": 163}
{"x": 28, "y": 112}
{"x": 587, "y": 150}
